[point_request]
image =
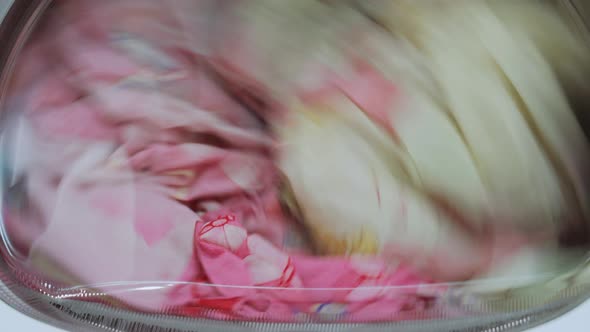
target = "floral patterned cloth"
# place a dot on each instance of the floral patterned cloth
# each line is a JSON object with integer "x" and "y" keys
{"x": 249, "y": 276}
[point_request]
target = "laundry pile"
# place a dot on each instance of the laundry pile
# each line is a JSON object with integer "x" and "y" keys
{"x": 275, "y": 160}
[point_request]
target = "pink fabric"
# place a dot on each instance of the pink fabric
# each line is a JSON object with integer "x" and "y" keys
{"x": 273, "y": 284}
{"x": 144, "y": 172}
{"x": 366, "y": 87}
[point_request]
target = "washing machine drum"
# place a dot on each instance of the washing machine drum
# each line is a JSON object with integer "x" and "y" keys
{"x": 447, "y": 188}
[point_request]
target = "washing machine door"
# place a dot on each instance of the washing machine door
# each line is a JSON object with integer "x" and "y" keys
{"x": 28, "y": 311}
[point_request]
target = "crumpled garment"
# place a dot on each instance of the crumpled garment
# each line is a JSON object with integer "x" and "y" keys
{"x": 269, "y": 283}
{"x": 456, "y": 140}
{"x": 138, "y": 177}
{"x": 470, "y": 113}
